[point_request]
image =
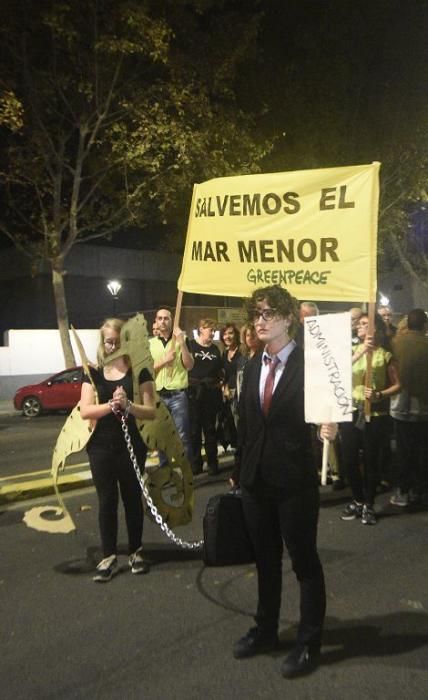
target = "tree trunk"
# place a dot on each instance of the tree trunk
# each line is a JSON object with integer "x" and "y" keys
{"x": 61, "y": 311}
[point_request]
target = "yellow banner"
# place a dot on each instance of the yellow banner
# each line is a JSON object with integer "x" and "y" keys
{"x": 311, "y": 231}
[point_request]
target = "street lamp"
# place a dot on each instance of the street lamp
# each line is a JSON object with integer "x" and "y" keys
{"x": 114, "y": 287}
{"x": 383, "y": 301}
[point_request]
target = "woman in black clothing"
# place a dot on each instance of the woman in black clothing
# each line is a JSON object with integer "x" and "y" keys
{"x": 205, "y": 396}
{"x": 250, "y": 346}
{"x": 233, "y": 361}
{"x": 105, "y": 397}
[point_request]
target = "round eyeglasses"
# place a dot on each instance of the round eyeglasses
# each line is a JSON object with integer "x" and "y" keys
{"x": 265, "y": 314}
{"x": 112, "y": 343}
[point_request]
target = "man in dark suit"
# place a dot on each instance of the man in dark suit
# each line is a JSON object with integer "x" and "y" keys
{"x": 279, "y": 481}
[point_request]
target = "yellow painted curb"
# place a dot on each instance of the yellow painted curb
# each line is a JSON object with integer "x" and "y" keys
{"x": 42, "y": 487}
{"x": 18, "y": 490}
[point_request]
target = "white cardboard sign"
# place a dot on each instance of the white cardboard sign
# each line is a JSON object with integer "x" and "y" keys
{"x": 328, "y": 368}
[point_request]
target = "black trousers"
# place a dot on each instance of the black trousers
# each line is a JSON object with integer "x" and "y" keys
{"x": 273, "y": 517}
{"x": 112, "y": 470}
{"x": 373, "y": 438}
{"x": 204, "y": 405}
{"x": 412, "y": 452}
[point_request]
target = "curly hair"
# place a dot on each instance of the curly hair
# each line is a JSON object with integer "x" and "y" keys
{"x": 278, "y": 299}
{"x": 249, "y": 327}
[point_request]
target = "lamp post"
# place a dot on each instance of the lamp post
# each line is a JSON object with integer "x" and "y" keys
{"x": 114, "y": 287}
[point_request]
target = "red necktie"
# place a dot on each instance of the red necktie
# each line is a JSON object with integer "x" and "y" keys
{"x": 270, "y": 381}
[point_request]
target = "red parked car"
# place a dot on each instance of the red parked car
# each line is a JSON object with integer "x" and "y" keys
{"x": 59, "y": 392}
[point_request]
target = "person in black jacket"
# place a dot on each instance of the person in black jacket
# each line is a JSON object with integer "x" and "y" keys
{"x": 279, "y": 481}
{"x": 205, "y": 396}
{"x": 233, "y": 361}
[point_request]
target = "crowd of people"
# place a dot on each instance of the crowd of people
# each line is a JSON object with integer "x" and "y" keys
{"x": 361, "y": 456}
{"x": 397, "y": 398}
{"x": 247, "y": 393}
{"x": 210, "y": 381}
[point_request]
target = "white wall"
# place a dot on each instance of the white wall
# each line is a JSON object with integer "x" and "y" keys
{"x": 32, "y": 355}
{"x": 404, "y": 292}
{"x": 40, "y": 351}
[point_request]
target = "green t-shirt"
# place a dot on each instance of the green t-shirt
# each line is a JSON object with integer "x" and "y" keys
{"x": 380, "y": 380}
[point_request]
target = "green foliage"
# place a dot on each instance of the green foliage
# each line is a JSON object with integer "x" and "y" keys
{"x": 114, "y": 108}
{"x": 109, "y": 110}
{"x": 11, "y": 111}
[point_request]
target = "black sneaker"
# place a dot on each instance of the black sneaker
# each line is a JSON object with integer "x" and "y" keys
{"x": 300, "y": 661}
{"x": 106, "y": 569}
{"x": 351, "y": 511}
{"x": 368, "y": 516}
{"x": 399, "y": 498}
{"x": 384, "y": 486}
{"x": 338, "y": 485}
{"x": 137, "y": 563}
{"x": 415, "y": 498}
{"x": 254, "y": 642}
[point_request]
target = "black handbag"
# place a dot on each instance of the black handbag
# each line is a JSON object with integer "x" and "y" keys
{"x": 226, "y": 540}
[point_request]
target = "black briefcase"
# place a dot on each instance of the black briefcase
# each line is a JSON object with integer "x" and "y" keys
{"x": 226, "y": 539}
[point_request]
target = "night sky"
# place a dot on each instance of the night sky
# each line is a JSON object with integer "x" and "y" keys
{"x": 332, "y": 82}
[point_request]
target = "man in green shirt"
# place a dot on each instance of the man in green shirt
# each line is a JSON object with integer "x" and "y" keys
{"x": 172, "y": 362}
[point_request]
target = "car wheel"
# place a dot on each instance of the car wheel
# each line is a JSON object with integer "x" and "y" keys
{"x": 31, "y": 407}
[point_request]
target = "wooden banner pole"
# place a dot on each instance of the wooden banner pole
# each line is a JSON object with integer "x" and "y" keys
{"x": 175, "y": 324}
{"x": 324, "y": 468}
{"x": 178, "y": 309}
{"x": 371, "y": 331}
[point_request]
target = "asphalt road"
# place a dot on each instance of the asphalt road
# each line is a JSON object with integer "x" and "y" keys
{"x": 27, "y": 443}
{"x": 168, "y": 635}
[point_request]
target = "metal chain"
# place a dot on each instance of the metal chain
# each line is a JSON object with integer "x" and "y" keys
{"x": 154, "y": 511}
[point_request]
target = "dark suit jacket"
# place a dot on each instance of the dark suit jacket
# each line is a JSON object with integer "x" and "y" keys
{"x": 278, "y": 447}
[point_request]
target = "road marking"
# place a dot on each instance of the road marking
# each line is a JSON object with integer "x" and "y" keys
{"x": 30, "y": 489}
{"x": 34, "y": 518}
{"x": 42, "y": 471}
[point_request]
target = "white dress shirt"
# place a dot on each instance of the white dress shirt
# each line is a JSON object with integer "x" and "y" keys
{"x": 283, "y": 356}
